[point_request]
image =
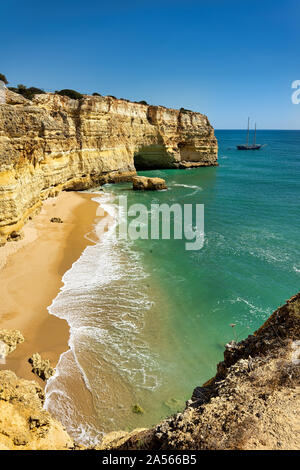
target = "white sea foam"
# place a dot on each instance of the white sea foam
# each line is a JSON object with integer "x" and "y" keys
{"x": 189, "y": 186}
{"x": 104, "y": 301}
{"x": 252, "y": 313}
{"x": 192, "y": 186}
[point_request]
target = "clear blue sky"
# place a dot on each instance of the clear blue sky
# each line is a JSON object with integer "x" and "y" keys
{"x": 225, "y": 58}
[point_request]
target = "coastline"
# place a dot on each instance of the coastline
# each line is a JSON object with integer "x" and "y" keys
{"x": 31, "y": 272}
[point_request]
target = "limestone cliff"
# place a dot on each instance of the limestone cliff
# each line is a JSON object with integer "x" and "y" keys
{"x": 54, "y": 143}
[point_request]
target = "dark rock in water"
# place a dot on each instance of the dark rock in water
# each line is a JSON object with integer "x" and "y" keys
{"x": 137, "y": 409}
{"x": 56, "y": 220}
{"x": 141, "y": 183}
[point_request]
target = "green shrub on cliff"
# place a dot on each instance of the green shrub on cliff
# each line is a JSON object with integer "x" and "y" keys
{"x": 27, "y": 92}
{"x": 96, "y": 94}
{"x": 74, "y": 95}
{"x": 3, "y": 78}
{"x": 142, "y": 102}
{"x": 183, "y": 110}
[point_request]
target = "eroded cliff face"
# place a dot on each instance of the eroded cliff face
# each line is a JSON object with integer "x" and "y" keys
{"x": 54, "y": 143}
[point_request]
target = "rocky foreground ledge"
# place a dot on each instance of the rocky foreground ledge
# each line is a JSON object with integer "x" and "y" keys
{"x": 23, "y": 422}
{"x": 253, "y": 402}
{"x": 55, "y": 143}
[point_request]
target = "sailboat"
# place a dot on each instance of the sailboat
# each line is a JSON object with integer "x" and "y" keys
{"x": 254, "y": 146}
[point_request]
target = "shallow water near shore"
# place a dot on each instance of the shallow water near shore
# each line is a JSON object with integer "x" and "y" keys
{"x": 149, "y": 320}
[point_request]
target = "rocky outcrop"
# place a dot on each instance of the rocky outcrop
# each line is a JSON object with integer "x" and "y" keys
{"x": 141, "y": 183}
{"x": 23, "y": 422}
{"x": 9, "y": 340}
{"x": 41, "y": 367}
{"x": 54, "y": 143}
{"x": 252, "y": 403}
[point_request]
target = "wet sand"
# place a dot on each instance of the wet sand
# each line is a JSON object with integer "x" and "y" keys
{"x": 31, "y": 273}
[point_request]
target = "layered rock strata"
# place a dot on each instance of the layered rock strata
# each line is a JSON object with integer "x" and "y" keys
{"x": 54, "y": 143}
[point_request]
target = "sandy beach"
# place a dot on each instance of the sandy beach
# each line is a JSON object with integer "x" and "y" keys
{"x": 31, "y": 273}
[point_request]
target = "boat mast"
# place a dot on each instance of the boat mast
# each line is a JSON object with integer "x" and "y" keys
{"x": 248, "y": 131}
{"x": 254, "y": 140}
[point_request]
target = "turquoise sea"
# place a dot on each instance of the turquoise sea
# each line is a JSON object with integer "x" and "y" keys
{"x": 149, "y": 320}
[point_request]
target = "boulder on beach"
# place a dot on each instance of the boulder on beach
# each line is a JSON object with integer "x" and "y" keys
{"x": 15, "y": 236}
{"x": 140, "y": 183}
{"x": 9, "y": 339}
{"x": 56, "y": 220}
{"x": 41, "y": 367}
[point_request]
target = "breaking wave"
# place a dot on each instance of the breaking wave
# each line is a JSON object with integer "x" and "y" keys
{"x": 104, "y": 301}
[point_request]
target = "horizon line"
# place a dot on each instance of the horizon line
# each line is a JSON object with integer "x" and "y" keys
{"x": 257, "y": 130}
